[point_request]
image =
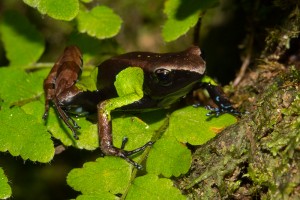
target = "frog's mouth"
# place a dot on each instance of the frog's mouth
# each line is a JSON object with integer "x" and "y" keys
{"x": 173, "y": 97}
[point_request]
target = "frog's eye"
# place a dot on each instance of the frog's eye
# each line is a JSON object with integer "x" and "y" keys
{"x": 164, "y": 77}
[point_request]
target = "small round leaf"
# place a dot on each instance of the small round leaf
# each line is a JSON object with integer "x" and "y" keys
{"x": 101, "y": 22}
{"x": 61, "y": 10}
{"x": 169, "y": 158}
{"x": 108, "y": 174}
{"x": 152, "y": 187}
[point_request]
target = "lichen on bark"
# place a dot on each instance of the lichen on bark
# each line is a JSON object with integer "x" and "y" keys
{"x": 259, "y": 156}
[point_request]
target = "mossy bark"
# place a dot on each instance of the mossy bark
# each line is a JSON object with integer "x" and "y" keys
{"x": 258, "y": 157}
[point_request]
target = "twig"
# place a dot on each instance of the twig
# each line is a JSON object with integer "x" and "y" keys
{"x": 243, "y": 69}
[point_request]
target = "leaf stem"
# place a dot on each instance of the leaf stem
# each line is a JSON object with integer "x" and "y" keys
{"x": 26, "y": 101}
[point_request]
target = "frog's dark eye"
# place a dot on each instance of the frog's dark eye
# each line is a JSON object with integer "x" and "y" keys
{"x": 164, "y": 77}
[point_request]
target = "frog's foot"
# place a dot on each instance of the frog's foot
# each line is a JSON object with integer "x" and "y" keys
{"x": 125, "y": 153}
{"x": 68, "y": 121}
{"x": 73, "y": 127}
{"x": 142, "y": 148}
{"x": 222, "y": 110}
{"x": 114, "y": 151}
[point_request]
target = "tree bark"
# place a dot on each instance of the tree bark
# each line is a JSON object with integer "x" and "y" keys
{"x": 258, "y": 157}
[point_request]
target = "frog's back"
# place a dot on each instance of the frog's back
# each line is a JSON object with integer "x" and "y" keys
{"x": 188, "y": 59}
{"x": 108, "y": 69}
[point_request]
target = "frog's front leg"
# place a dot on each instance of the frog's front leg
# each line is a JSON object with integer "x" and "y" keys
{"x": 220, "y": 99}
{"x": 105, "y": 134}
{"x": 129, "y": 86}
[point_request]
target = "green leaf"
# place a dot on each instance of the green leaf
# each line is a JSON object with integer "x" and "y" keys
{"x": 156, "y": 119}
{"x": 103, "y": 195}
{"x": 169, "y": 158}
{"x": 129, "y": 86}
{"x": 174, "y": 26}
{"x": 137, "y": 132}
{"x": 152, "y": 187}
{"x": 88, "y": 135}
{"x": 86, "y": 1}
{"x": 22, "y": 42}
{"x": 183, "y": 15}
{"x": 22, "y": 135}
{"x": 191, "y": 125}
{"x": 5, "y": 190}
{"x": 101, "y": 22}
{"x": 32, "y": 3}
{"x": 61, "y": 10}
{"x": 130, "y": 80}
{"x": 17, "y": 85}
{"x": 108, "y": 174}
{"x": 87, "y": 82}
{"x": 34, "y": 108}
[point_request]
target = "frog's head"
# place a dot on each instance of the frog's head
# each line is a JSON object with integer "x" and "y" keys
{"x": 174, "y": 74}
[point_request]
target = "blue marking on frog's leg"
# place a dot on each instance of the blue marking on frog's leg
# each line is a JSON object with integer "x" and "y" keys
{"x": 196, "y": 105}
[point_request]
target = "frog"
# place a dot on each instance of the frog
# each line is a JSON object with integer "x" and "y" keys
{"x": 168, "y": 77}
